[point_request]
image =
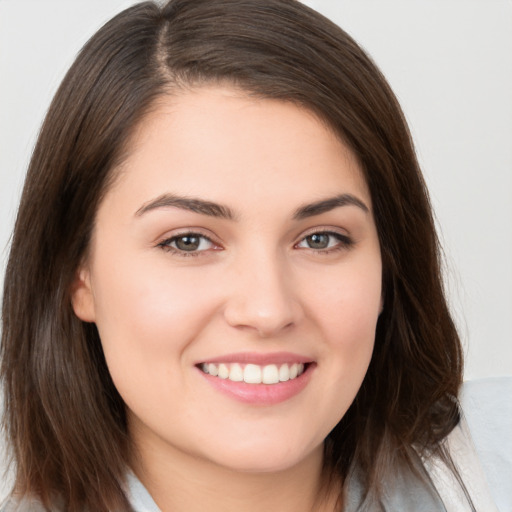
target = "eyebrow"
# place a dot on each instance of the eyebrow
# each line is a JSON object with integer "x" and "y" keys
{"x": 325, "y": 205}
{"x": 212, "y": 209}
{"x": 188, "y": 203}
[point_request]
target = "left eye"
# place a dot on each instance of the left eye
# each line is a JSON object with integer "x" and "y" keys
{"x": 188, "y": 242}
{"x": 324, "y": 240}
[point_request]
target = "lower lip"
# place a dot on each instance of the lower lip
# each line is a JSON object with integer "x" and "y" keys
{"x": 261, "y": 394}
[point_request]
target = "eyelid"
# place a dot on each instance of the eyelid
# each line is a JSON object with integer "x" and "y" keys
{"x": 188, "y": 231}
{"x": 164, "y": 241}
{"x": 344, "y": 239}
{"x": 331, "y": 230}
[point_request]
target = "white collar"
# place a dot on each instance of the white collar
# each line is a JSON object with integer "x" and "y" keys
{"x": 140, "y": 499}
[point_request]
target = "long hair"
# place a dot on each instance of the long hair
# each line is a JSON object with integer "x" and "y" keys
{"x": 64, "y": 419}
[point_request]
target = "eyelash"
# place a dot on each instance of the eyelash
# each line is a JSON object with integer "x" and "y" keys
{"x": 344, "y": 242}
{"x": 165, "y": 244}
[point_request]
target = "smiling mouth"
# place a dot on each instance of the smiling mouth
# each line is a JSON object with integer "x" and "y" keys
{"x": 253, "y": 373}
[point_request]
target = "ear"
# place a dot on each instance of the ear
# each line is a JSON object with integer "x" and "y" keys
{"x": 82, "y": 298}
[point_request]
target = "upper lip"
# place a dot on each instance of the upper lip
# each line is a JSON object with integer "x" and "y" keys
{"x": 259, "y": 358}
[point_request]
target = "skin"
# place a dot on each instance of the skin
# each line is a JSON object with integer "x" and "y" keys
{"x": 257, "y": 287}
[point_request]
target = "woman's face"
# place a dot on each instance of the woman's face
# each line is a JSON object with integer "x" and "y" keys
{"x": 234, "y": 275}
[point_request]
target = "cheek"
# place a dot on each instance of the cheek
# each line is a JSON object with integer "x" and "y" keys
{"x": 147, "y": 313}
{"x": 346, "y": 310}
{"x": 347, "y": 306}
{"x": 147, "y": 316}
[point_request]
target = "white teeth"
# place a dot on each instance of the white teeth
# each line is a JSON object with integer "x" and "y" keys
{"x": 236, "y": 374}
{"x": 270, "y": 374}
{"x": 253, "y": 373}
{"x": 223, "y": 371}
{"x": 284, "y": 373}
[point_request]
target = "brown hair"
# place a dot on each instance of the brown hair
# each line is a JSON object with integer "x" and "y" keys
{"x": 63, "y": 416}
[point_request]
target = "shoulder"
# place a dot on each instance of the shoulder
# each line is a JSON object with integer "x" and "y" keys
{"x": 23, "y": 505}
{"x": 139, "y": 498}
{"x": 28, "y": 504}
{"x": 480, "y": 448}
{"x": 467, "y": 486}
{"x": 487, "y": 408}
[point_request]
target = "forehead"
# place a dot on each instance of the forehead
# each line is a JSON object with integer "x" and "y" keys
{"x": 219, "y": 142}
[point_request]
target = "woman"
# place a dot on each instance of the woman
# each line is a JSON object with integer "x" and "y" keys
{"x": 224, "y": 284}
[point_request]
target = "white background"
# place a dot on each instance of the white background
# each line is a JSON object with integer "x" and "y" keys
{"x": 449, "y": 62}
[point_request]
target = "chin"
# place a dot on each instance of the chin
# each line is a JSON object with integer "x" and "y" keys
{"x": 264, "y": 458}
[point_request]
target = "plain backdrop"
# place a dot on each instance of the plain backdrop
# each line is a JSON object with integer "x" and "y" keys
{"x": 450, "y": 64}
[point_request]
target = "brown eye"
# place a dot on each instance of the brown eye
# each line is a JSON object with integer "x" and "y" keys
{"x": 187, "y": 243}
{"x": 325, "y": 241}
{"x": 318, "y": 240}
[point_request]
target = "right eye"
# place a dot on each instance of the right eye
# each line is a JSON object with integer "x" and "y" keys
{"x": 187, "y": 244}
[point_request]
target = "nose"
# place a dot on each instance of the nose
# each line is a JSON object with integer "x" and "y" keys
{"x": 262, "y": 297}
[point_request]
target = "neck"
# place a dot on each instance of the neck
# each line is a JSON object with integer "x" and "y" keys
{"x": 179, "y": 482}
